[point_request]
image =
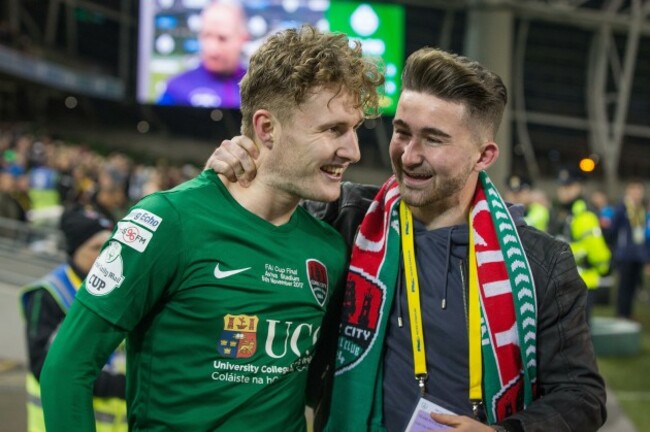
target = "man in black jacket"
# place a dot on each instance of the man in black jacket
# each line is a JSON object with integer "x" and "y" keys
{"x": 443, "y": 140}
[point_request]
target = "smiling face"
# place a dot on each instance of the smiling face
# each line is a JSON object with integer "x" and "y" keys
{"x": 313, "y": 146}
{"x": 436, "y": 155}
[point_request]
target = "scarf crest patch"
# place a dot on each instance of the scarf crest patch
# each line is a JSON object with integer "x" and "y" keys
{"x": 365, "y": 298}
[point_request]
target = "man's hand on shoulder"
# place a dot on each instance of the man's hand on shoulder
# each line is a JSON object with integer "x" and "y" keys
{"x": 235, "y": 159}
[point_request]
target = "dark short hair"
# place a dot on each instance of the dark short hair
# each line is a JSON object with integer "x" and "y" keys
{"x": 458, "y": 79}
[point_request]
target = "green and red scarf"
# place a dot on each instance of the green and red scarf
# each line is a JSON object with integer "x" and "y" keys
{"x": 508, "y": 311}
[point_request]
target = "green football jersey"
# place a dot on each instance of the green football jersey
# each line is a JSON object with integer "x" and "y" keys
{"x": 222, "y": 309}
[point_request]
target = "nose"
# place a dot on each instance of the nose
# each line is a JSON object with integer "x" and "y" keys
{"x": 349, "y": 149}
{"x": 411, "y": 154}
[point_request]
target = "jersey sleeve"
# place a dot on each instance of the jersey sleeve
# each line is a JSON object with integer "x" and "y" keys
{"x": 138, "y": 266}
{"x": 76, "y": 357}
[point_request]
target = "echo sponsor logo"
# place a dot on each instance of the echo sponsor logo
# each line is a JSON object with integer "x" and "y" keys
{"x": 144, "y": 218}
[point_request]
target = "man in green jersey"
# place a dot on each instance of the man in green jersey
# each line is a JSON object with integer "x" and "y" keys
{"x": 222, "y": 304}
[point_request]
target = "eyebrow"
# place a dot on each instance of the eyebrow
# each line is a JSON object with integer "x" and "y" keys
{"x": 424, "y": 131}
{"x": 342, "y": 123}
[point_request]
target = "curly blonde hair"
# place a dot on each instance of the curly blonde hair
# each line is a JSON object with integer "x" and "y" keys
{"x": 293, "y": 62}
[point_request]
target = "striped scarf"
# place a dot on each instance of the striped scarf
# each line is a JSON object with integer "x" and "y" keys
{"x": 508, "y": 311}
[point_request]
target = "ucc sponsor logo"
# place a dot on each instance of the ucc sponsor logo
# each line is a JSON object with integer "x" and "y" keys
{"x": 284, "y": 339}
{"x": 239, "y": 337}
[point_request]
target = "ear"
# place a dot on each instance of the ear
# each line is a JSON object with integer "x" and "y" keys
{"x": 489, "y": 152}
{"x": 264, "y": 124}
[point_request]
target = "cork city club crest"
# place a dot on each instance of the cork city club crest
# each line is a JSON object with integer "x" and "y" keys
{"x": 317, "y": 274}
{"x": 239, "y": 336}
{"x": 510, "y": 399}
{"x": 364, "y": 296}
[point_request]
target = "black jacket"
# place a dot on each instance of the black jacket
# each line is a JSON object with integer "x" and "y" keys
{"x": 571, "y": 393}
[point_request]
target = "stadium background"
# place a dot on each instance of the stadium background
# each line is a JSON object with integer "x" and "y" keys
{"x": 577, "y": 70}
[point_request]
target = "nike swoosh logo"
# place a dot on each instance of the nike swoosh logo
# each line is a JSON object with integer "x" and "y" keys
{"x": 221, "y": 274}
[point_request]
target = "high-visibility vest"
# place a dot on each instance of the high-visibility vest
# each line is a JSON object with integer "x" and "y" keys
{"x": 110, "y": 413}
{"x": 592, "y": 254}
{"x": 537, "y": 216}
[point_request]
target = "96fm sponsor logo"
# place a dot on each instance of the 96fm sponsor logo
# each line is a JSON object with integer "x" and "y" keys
{"x": 132, "y": 235}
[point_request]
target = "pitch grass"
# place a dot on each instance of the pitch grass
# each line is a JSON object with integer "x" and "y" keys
{"x": 629, "y": 377}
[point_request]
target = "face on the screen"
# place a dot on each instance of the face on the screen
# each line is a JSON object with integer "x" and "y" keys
{"x": 222, "y": 37}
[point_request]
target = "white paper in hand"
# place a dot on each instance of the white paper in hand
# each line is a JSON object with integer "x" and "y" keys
{"x": 421, "y": 420}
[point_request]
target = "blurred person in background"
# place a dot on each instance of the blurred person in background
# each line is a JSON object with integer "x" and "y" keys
{"x": 520, "y": 190}
{"x": 580, "y": 227}
{"x": 110, "y": 195}
{"x": 13, "y": 204}
{"x": 139, "y": 176}
{"x": 83, "y": 174}
{"x": 605, "y": 211}
{"x": 44, "y": 305}
{"x": 631, "y": 245}
{"x": 43, "y": 180}
{"x": 64, "y": 162}
{"x": 215, "y": 81}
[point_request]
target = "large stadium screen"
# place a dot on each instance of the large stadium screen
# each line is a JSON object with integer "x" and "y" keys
{"x": 181, "y": 60}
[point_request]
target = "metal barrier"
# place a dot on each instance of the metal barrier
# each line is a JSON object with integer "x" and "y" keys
{"x": 28, "y": 251}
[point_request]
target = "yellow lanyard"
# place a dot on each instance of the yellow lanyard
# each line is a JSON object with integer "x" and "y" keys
{"x": 474, "y": 326}
{"x": 415, "y": 316}
{"x": 413, "y": 295}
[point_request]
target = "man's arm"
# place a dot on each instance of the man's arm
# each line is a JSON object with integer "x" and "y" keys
{"x": 74, "y": 361}
{"x": 571, "y": 393}
{"x": 346, "y": 213}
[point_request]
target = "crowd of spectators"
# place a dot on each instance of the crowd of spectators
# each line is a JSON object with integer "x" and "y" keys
{"x": 40, "y": 175}
{"x": 610, "y": 240}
